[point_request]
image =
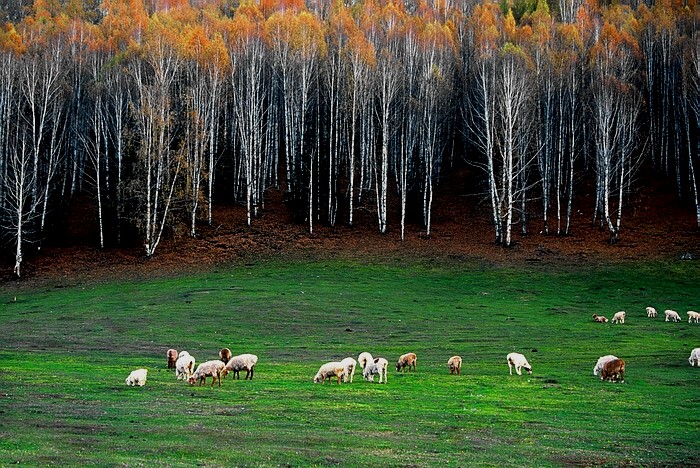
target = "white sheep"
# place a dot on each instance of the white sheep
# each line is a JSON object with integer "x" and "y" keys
{"x": 363, "y": 359}
{"x": 241, "y": 362}
{"x": 672, "y": 316}
{"x": 601, "y": 362}
{"x": 694, "y": 358}
{"x": 349, "y": 364}
{"x": 377, "y": 366}
{"x": 207, "y": 369}
{"x": 455, "y": 364}
{"x": 651, "y": 312}
{"x": 184, "y": 366}
{"x": 137, "y": 377}
{"x": 328, "y": 370}
{"x": 518, "y": 361}
{"x": 693, "y": 316}
{"x": 619, "y": 317}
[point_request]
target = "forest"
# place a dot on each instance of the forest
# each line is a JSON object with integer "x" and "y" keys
{"x": 157, "y": 110}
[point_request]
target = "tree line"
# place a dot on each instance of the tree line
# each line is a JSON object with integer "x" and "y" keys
{"x": 158, "y": 109}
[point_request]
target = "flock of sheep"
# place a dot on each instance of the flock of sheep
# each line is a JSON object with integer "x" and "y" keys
{"x": 609, "y": 367}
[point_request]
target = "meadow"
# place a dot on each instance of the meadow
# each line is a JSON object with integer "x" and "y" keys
{"x": 66, "y": 350}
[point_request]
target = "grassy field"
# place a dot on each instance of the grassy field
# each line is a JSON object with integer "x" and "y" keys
{"x": 66, "y": 351}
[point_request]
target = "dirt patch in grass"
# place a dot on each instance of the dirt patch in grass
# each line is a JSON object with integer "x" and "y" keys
{"x": 655, "y": 227}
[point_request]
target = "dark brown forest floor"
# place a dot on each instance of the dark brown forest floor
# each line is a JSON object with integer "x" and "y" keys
{"x": 655, "y": 227}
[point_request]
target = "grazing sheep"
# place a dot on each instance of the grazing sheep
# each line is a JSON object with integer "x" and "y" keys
{"x": 619, "y": 317}
{"x": 172, "y": 357}
{"x": 225, "y": 355}
{"x": 378, "y": 366}
{"x": 651, "y": 312}
{"x": 241, "y": 362}
{"x": 613, "y": 371}
{"x": 328, "y": 370}
{"x": 672, "y": 316}
{"x": 693, "y": 316}
{"x": 407, "y": 360}
{"x": 349, "y": 364}
{"x": 137, "y": 377}
{"x": 518, "y": 361}
{"x": 601, "y": 362}
{"x": 364, "y": 358}
{"x": 184, "y": 366}
{"x": 600, "y": 318}
{"x": 455, "y": 364}
{"x": 207, "y": 369}
{"x": 694, "y": 358}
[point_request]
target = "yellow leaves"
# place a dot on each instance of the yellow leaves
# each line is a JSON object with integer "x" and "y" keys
{"x": 10, "y": 40}
{"x": 302, "y": 32}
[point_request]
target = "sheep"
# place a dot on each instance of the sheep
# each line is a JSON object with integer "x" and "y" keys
{"x": 241, "y": 362}
{"x": 518, "y": 361}
{"x": 599, "y": 318}
{"x": 455, "y": 364}
{"x": 619, "y": 317}
{"x": 328, "y": 370}
{"x": 377, "y": 366}
{"x": 693, "y": 316}
{"x": 225, "y": 355}
{"x": 651, "y": 312}
{"x": 407, "y": 360}
{"x": 694, "y": 358}
{"x": 137, "y": 377}
{"x": 207, "y": 369}
{"x": 172, "y": 357}
{"x": 613, "y": 371}
{"x": 601, "y": 362}
{"x": 184, "y": 366}
{"x": 349, "y": 364}
{"x": 672, "y": 316}
{"x": 364, "y": 358}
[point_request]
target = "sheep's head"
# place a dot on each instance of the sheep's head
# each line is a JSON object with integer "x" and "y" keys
{"x": 318, "y": 378}
{"x": 192, "y": 380}
{"x": 528, "y": 369}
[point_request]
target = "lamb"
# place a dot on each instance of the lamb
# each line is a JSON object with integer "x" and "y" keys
{"x": 619, "y": 317}
{"x": 349, "y": 364}
{"x": 651, "y": 312}
{"x": 407, "y": 360}
{"x": 172, "y": 357}
{"x": 455, "y": 364}
{"x": 225, "y": 355}
{"x": 364, "y": 358}
{"x": 599, "y": 318}
{"x": 672, "y": 316}
{"x": 694, "y": 358}
{"x": 693, "y": 316}
{"x": 613, "y": 371}
{"x": 207, "y": 369}
{"x": 601, "y": 362}
{"x": 184, "y": 366}
{"x": 328, "y": 370}
{"x": 518, "y": 361}
{"x": 241, "y": 362}
{"x": 377, "y": 366}
{"x": 137, "y": 377}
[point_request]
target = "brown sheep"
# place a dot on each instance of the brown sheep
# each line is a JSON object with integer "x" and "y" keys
{"x": 406, "y": 360}
{"x": 455, "y": 364}
{"x": 211, "y": 369}
{"x": 225, "y": 355}
{"x": 600, "y": 318}
{"x": 613, "y": 371}
{"x": 172, "y": 358}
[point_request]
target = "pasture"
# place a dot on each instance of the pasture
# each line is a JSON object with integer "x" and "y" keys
{"x": 66, "y": 350}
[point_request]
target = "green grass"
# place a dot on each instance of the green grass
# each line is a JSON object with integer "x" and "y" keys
{"x": 66, "y": 351}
